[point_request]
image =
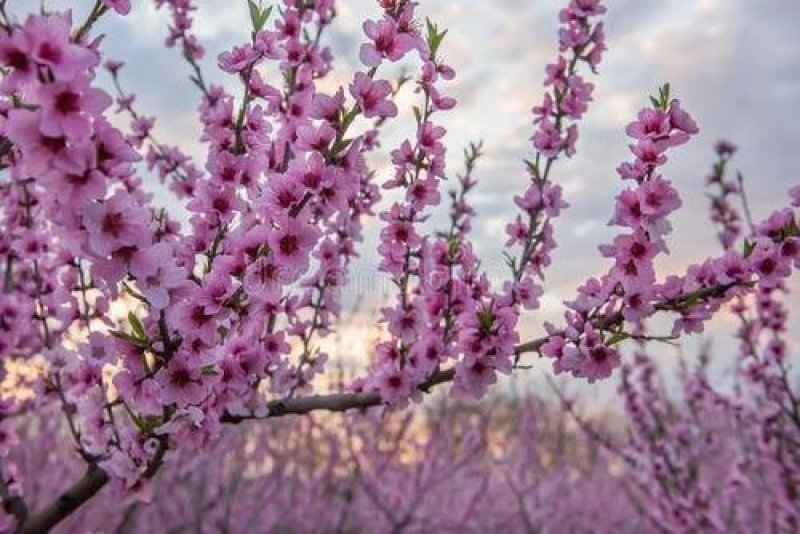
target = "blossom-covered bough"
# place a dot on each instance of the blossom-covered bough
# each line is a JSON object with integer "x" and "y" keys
{"x": 709, "y": 458}
{"x": 150, "y": 336}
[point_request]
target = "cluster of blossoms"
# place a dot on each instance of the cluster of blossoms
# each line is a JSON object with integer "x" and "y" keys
{"x": 406, "y": 360}
{"x": 628, "y": 290}
{"x": 222, "y": 319}
{"x": 770, "y": 315}
{"x": 723, "y": 213}
{"x": 718, "y": 459}
{"x": 446, "y": 309}
{"x": 581, "y": 41}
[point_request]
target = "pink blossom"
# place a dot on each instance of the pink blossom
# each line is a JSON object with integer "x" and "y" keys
{"x": 767, "y": 263}
{"x": 123, "y": 7}
{"x": 264, "y": 280}
{"x": 395, "y": 387}
{"x": 473, "y": 377}
{"x": 50, "y": 46}
{"x": 423, "y": 192}
{"x": 216, "y": 290}
{"x": 156, "y": 273}
{"x": 556, "y": 73}
{"x": 429, "y": 137}
{"x": 517, "y": 232}
{"x": 115, "y": 223}
{"x": 84, "y": 182}
{"x": 580, "y": 9}
{"x": 143, "y": 394}
{"x": 15, "y": 53}
{"x": 426, "y": 354}
{"x": 182, "y": 381}
{"x": 531, "y": 200}
{"x": 527, "y": 293}
{"x": 576, "y": 100}
{"x": 284, "y": 192}
{"x": 404, "y": 324}
{"x": 547, "y": 139}
{"x": 190, "y": 317}
{"x": 41, "y": 152}
{"x": 387, "y": 42}
{"x": 652, "y": 124}
{"x": 315, "y": 138}
{"x": 238, "y": 59}
{"x": 327, "y": 107}
{"x": 599, "y": 362}
{"x": 291, "y": 244}
{"x": 371, "y": 96}
{"x": 681, "y": 120}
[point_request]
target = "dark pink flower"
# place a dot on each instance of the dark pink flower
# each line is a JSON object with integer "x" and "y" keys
{"x": 51, "y": 46}
{"x": 387, "y": 42}
{"x": 116, "y": 223}
{"x": 156, "y": 273}
{"x": 181, "y": 381}
{"x": 371, "y": 96}
{"x": 67, "y": 108}
{"x": 291, "y": 245}
{"x": 238, "y": 59}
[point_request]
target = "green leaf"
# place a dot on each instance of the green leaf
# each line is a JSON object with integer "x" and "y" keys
{"x": 485, "y": 319}
{"x": 258, "y": 14}
{"x": 616, "y": 338}
{"x": 452, "y": 245}
{"x": 431, "y": 28}
{"x": 255, "y": 13}
{"x": 748, "y": 248}
{"x": 532, "y": 167}
{"x": 662, "y": 102}
{"x": 790, "y": 230}
{"x": 122, "y": 335}
{"x": 418, "y": 114}
{"x": 137, "y": 327}
{"x": 130, "y": 291}
{"x": 434, "y": 37}
{"x": 691, "y": 301}
{"x": 348, "y": 119}
{"x": 129, "y": 338}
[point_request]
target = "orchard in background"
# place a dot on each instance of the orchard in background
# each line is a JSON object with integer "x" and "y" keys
{"x": 135, "y": 342}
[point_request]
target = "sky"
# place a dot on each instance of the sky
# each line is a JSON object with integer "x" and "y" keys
{"x": 734, "y": 64}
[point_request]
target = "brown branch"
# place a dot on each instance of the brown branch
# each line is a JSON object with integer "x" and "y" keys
{"x": 97, "y": 12}
{"x": 341, "y": 402}
{"x": 95, "y": 478}
{"x": 13, "y": 503}
{"x": 93, "y": 481}
{"x": 69, "y": 501}
{"x": 337, "y": 402}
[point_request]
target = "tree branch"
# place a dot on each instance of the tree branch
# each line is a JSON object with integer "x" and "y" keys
{"x": 95, "y": 478}
{"x": 69, "y": 501}
{"x": 83, "y": 490}
{"x": 337, "y": 402}
{"x": 341, "y": 402}
{"x": 12, "y": 503}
